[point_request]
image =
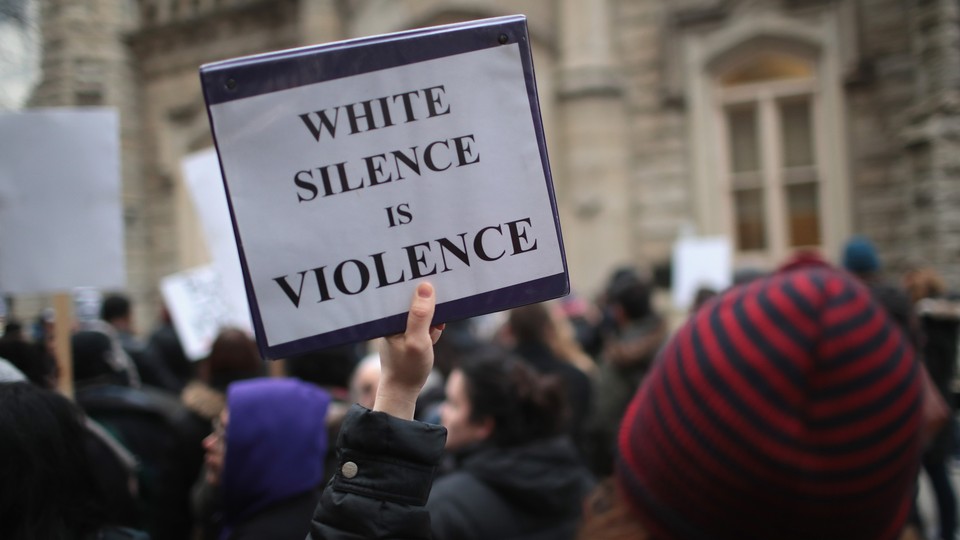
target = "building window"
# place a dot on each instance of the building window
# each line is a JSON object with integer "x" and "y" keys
{"x": 767, "y": 109}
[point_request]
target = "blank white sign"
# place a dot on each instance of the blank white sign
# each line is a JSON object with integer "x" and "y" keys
{"x": 700, "y": 262}
{"x": 61, "y": 219}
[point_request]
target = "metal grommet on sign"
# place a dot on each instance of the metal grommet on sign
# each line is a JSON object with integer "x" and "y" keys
{"x": 503, "y": 39}
{"x": 349, "y": 469}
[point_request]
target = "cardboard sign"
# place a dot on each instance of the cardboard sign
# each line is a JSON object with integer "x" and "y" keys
{"x": 700, "y": 262}
{"x": 197, "y": 305}
{"x": 354, "y": 170}
{"x": 201, "y": 171}
{"x": 61, "y": 221}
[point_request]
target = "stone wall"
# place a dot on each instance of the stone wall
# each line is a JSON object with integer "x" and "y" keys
{"x": 612, "y": 98}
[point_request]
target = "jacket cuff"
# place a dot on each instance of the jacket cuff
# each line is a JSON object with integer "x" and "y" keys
{"x": 384, "y": 457}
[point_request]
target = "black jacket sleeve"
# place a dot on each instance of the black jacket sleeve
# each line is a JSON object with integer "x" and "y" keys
{"x": 385, "y": 470}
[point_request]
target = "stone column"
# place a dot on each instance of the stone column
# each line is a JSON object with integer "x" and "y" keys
{"x": 933, "y": 136}
{"x": 592, "y": 191}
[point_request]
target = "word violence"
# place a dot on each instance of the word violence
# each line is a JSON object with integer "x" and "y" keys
{"x": 353, "y": 276}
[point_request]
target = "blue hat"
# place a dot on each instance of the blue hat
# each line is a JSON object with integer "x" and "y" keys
{"x": 860, "y": 256}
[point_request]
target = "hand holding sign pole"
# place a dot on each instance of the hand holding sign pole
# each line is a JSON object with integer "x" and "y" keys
{"x": 354, "y": 168}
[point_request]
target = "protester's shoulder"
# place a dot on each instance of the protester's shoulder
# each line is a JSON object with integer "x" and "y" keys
{"x": 455, "y": 502}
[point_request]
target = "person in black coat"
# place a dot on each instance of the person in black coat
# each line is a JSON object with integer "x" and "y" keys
{"x": 519, "y": 474}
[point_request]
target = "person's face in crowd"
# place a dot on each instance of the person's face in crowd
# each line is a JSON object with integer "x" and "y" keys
{"x": 215, "y": 446}
{"x": 365, "y": 385}
{"x": 455, "y": 416}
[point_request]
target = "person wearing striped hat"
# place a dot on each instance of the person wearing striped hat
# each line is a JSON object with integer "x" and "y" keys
{"x": 787, "y": 408}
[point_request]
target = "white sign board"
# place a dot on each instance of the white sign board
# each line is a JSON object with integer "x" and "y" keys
{"x": 700, "y": 262}
{"x": 201, "y": 172}
{"x": 356, "y": 169}
{"x": 197, "y": 305}
{"x": 61, "y": 219}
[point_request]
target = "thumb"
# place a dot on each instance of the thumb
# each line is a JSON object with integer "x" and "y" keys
{"x": 421, "y": 311}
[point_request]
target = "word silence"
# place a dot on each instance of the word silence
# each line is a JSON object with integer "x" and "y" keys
{"x": 381, "y": 168}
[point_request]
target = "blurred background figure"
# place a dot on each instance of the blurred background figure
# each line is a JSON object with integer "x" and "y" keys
{"x": 585, "y": 318}
{"x": 536, "y": 336}
{"x": 151, "y": 369}
{"x": 265, "y": 458}
{"x": 701, "y": 297}
{"x": 630, "y": 346}
{"x": 939, "y": 320}
{"x": 518, "y": 474}
{"x": 165, "y": 348}
{"x": 50, "y": 488}
{"x": 32, "y": 359}
{"x": 233, "y": 357}
{"x": 861, "y": 259}
{"x": 12, "y": 331}
{"x": 150, "y": 423}
{"x": 365, "y": 380}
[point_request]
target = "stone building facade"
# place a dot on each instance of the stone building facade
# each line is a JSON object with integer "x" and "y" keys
{"x": 782, "y": 124}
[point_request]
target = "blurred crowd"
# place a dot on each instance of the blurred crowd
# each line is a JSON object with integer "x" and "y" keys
{"x": 553, "y": 412}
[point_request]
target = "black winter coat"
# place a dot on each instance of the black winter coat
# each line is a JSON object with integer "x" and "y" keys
{"x": 385, "y": 471}
{"x": 535, "y": 491}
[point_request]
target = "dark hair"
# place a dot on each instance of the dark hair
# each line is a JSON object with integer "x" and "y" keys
{"x": 32, "y": 360}
{"x": 92, "y": 356}
{"x": 233, "y": 357}
{"x": 12, "y": 328}
{"x": 326, "y": 367}
{"x": 530, "y": 323}
{"x": 115, "y": 306}
{"x": 48, "y": 489}
{"x": 524, "y": 405}
{"x": 634, "y": 299}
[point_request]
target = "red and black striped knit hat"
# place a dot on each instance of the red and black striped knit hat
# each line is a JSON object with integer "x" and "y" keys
{"x": 788, "y": 408}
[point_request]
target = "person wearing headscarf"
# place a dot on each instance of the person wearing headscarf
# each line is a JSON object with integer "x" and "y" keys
{"x": 266, "y": 457}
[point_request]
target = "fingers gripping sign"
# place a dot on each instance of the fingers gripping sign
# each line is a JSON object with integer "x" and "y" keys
{"x": 407, "y": 358}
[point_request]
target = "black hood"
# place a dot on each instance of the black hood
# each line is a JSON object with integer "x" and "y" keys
{"x": 543, "y": 477}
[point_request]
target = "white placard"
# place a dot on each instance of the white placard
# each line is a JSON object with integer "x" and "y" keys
{"x": 700, "y": 262}
{"x": 201, "y": 172}
{"x": 61, "y": 219}
{"x": 198, "y": 307}
{"x": 331, "y": 217}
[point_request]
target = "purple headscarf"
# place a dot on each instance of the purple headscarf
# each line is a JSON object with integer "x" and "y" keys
{"x": 276, "y": 444}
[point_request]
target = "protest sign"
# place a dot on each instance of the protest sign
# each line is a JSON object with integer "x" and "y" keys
{"x": 61, "y": 221}
{"x": 355, "y": 169}
{"x": 700, "y": 262}
{"x": 197, "y": 304}
{"x": 201, "y": 172}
